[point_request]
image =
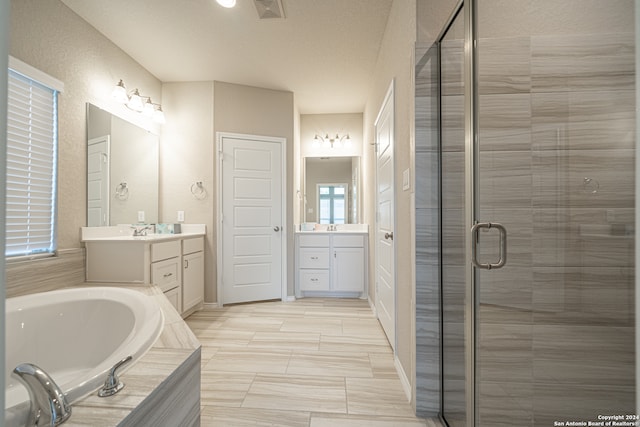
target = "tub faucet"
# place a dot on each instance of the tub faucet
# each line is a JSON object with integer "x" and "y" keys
{"x": 49, "y": 406}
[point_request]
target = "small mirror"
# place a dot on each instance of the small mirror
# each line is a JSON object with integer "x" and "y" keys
{"x": 122, "y": 171}
{"x": 332, "y": 189}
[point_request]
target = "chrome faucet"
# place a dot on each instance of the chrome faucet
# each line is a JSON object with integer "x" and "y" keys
{"x": 332, "y": 227}
{"x": 137, "y": 231}
{"x": 49, "y": 406}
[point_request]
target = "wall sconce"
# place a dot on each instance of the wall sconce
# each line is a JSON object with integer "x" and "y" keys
{"x": 136, "y": 102}
{"x": 343, "y": 141}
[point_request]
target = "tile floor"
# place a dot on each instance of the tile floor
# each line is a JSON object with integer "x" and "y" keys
{"x": 316, "y": 362}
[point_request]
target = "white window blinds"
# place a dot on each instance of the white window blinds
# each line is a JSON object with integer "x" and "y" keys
{"x": 31, "y": 167}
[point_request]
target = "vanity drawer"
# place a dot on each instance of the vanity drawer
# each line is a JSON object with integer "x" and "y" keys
{"x": 314, "y": 258}
{"x": 348, "y": 241}
{"x": 314, "y": 280}
{"x": 164, "y": 250}
{"x": 310, "y": 240}
{"x": 166, "y": 274}
{"x": 190, "y": 246}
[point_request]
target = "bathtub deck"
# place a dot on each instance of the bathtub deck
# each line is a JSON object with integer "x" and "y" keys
{"x": 161, "y": 389}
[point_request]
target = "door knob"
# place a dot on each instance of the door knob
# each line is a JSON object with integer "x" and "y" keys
{"x": 276, "y": 228}
{"x": 388, "y": 235}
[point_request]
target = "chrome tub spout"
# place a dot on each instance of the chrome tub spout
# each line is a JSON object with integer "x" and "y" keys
{"x": 49, "y": 406}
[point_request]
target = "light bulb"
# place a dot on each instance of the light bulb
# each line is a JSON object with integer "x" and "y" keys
{"x": 135, "y": 102}
{"x": 158, "y": 116}
{"x": 148, "y": 108}
{"x": 227, "y": 3}
{"x": 120, "y": 93}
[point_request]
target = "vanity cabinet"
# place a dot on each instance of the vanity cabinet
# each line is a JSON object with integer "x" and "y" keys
{"x": 166, "y": 271}
{"x": 331, "y": 264}
{"x": 192, "y": 274}
{"x": 175, "y": 264}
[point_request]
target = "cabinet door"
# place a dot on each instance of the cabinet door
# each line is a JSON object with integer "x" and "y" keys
{"x": 174, "y": 298}
{"x": 192, "y": 280}
{"x": 348, "y": 269}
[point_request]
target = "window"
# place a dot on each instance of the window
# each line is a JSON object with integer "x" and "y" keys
{"x": 32, "y": 143}
{"x": 332, "y": 203}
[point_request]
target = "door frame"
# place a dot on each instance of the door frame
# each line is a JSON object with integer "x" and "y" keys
{"x": 389, "y": 97}
{"x": 219, "y": 208}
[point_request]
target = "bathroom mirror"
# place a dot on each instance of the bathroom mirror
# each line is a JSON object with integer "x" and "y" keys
{"x": 122, "y": 171}
{"x": 331, "y": 190}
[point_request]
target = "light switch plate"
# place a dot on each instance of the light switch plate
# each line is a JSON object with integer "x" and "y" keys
{"x": 406, "y": 179}
{"x": 140, "y": 216}
{"x": 180, "y": 216}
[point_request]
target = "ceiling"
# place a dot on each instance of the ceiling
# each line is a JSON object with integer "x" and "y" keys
{"x": 324, "y": 51}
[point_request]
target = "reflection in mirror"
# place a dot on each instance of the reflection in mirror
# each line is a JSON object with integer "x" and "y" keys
{"x": 122, "y": 171}
{"x": 331, "y": 190}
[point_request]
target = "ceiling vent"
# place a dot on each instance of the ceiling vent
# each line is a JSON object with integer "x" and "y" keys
{"x": 269, "y": 9}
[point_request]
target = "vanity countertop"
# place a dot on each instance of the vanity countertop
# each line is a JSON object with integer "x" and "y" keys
{"x": 122, "y": 233}
{"x": 338, "y": 231}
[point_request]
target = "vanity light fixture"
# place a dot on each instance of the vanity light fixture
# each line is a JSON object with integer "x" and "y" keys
{"x": 136, "y": 102}
{"x": 328, "y": 142}
{"x": 227, "y": 3}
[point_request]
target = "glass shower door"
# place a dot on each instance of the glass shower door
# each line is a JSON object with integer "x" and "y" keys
{"x": 453, "y": 229}
{"x": 554, "y": 328}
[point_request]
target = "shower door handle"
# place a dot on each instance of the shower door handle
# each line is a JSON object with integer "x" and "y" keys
{"x": 503, "y": 245}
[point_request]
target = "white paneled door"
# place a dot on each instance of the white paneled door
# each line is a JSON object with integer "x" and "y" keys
{"x": 98, "y": 182}
{"x": 385, "y": 206}
{"x": 252, "y": 218}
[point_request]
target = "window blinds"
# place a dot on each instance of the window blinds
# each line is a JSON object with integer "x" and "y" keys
{"x": 31, "y": 167}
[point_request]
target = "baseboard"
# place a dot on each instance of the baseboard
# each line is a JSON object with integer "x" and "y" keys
{"x": 373, "y": 308}
{"x": 210, "y": 306}
{"x": 289, "y": 298}
{"x": 404, "y": 380}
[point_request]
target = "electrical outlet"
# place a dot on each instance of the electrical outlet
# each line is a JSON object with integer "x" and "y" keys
{"x": 180, "y": 216}
{"x": 140, "y": 216}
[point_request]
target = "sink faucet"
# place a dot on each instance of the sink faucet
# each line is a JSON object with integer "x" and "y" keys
{"x": 137, "y": 231}
{"x": 49, "y": 406}
{"x": 332, "y": 227}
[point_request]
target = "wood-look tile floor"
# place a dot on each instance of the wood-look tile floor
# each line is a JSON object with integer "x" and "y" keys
{"x": 315, "y": 362}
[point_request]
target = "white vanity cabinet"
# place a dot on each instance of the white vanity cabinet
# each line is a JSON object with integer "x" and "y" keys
{"x": 192, "y": 274}
{"x": 166, "y": 271}
{"x": 175, "y": 263}
{"x": 331, "y": 264}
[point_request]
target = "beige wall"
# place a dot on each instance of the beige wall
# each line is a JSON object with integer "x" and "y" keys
{"x": 395, "y": 63}
{"x": 264, "y": 112}
{"x": 49, "y": 36}
{"x": 187, "y": 156}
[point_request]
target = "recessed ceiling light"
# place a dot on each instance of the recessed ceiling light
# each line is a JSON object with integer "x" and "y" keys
{"x": 226, "y": 3}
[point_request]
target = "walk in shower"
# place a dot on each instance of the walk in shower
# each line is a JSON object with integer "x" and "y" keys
{"x": 533, "y": 129}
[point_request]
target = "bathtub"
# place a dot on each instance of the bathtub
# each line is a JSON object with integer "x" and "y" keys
{"x": 75, "y": 335}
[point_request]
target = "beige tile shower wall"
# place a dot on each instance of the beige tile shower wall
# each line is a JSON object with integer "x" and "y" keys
{"x": 395, "y": 62}
{"x": 50, "y": 37}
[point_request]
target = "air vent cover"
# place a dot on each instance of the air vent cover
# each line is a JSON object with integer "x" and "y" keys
{"x": 269, "y": 9}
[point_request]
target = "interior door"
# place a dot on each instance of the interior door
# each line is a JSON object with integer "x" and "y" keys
{"x": 385, "y": 249}
{"x": 98, "y": 182}
{"x": 252, "y": 220}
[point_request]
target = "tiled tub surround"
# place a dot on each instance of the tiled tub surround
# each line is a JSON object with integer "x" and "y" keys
{"x": 557, "y": 137}
{"x": 161, "y": 389}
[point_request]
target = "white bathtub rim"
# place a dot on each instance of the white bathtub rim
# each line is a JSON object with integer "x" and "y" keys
{"x": 151, "y": 325}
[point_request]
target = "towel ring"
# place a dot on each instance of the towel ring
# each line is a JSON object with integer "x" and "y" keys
{"x": 198, "y": 190}
{"x": 122, "y": 191}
